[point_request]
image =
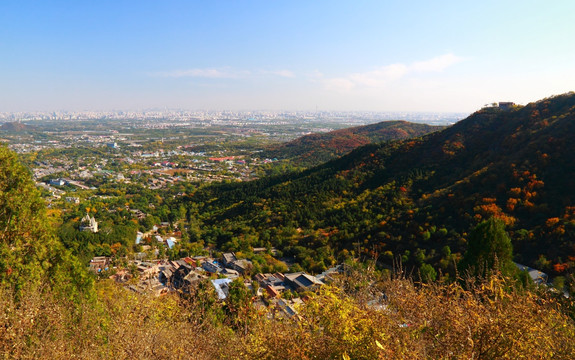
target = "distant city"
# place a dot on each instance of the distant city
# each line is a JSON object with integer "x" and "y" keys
{"x": 237, "y": 118}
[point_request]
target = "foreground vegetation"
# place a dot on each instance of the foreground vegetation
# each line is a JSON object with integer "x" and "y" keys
{"x": 490, "y": 319}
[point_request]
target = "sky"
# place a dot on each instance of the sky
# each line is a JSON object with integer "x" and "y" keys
{"x": 441, "y": 56}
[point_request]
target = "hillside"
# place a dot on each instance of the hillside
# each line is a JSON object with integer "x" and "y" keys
{"x": 15, "y": 127}
{"x": 416, "y": 200}
{"x": 315, "y": 149}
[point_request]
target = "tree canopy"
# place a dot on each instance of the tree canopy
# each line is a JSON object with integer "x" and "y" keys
{"x": 30, "y": 254}
{"x": 489, "y": 248}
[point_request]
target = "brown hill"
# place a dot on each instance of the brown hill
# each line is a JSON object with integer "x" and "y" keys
{"x": 315, "y": 149}
{"x": 14, "y": 126}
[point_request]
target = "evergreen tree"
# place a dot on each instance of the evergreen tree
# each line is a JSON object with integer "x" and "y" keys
{"x": 489, "y": 248}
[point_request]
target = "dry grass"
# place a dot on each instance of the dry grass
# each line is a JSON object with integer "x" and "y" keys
{"x": 122, "y": 325}
{"x": 437, "y": 321}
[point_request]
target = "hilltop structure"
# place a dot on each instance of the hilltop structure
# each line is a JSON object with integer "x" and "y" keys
{"x": 506, "y": 105}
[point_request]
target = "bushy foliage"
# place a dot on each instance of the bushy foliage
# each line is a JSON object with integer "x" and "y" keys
{"x": 487, "y": 320}
{"x": 30, "y": 254}
{"x": 121, "y": 325}
{"x": 382, "y": 319}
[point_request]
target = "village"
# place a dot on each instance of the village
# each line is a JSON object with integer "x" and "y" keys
{"x": 80, "y": 155}
{"x": 278, "y": 294}
{"x": 154, "y": 169}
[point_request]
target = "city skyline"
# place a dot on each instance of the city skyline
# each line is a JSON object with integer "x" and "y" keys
{"x": 375, "y": 56}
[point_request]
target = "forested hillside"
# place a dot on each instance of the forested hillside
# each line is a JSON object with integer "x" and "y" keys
{"x": 417, "y": 199}
{"x": 315, "y": 149}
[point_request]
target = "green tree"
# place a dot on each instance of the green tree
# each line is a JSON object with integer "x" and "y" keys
{"x": 239, "y": 306}
{"x": 489, "y": 248}
{"x": 30, "y": 253}
{"x": 428, "y": 273}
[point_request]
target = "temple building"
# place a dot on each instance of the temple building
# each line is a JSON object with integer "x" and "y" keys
{"x": 89, "y": 223}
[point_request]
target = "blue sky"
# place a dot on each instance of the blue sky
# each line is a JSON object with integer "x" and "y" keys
{"x": 283, "y": 55}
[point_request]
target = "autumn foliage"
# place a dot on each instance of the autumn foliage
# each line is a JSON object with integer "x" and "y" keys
{"x": 361, "y": 316}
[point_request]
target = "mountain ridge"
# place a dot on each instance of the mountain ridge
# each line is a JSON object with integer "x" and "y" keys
{"x": 15, "y": 126}
{"x": 314, "y": 149}
{"x": 394, "y": 198}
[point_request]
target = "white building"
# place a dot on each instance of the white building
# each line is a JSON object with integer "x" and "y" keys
{"x": 89, "y": 223}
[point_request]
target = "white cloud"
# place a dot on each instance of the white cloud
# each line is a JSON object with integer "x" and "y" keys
{"x": 281, "y": 73}
{"x": 436, "y": 64}
{"x": 339, "y": 84}
{"x": 223, "y": 73}
{"x": 379, "y": 76}
{"x": 382, "y": 76}
{"x": 316, "y": 74}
